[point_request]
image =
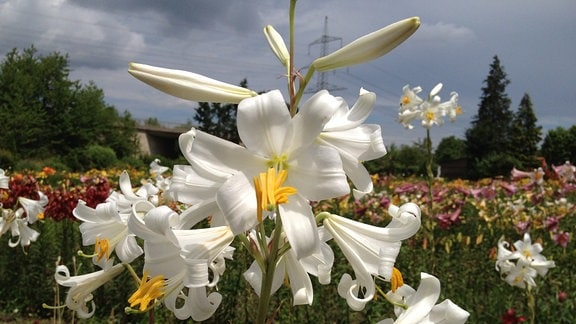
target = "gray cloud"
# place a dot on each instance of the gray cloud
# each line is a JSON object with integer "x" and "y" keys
{"x": 223, "y": 39}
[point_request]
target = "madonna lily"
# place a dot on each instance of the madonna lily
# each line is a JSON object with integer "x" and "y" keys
{"x": 19, "y": 228}
{"x": 188, "y": 85}
{"x": 371, "y": 250}
{"x": 106, "y": 228}
{"x": 180, "y": 257}
{"x": 421, "y": 304}
{"x": 82, "y": 286}
{"x": 272, "y": 138}
{"x": 34, "y": 208}
{"x": 369, "y": 47}
{"x": 355, "y": 142}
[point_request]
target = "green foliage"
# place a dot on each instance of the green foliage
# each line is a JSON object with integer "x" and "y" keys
{"x": 495, "y": 164}
{"x": 219, "y": 120}
{"x": 45, "y": 114}
{"x": 449, "y": 149}
{"x": 7, "y": 159}
{"x": 405, "y": 160}
{"x": 525, "y": 134}
{"x": 559, "y": 145}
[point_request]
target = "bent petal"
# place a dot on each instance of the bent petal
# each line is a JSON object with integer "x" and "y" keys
{"x": 345, "y": 118}
{"x": 420, "y": 304}
{"x": 188, "y": 85}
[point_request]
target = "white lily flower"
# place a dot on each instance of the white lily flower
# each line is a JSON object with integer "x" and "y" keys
{"x": 188, "y": 85}
{"x": 277, "y": 45}
{"x": 371, "y": 250}
{"x": 421, "y": 305}
{"x": 369, "y": 47}
{"x": 19, "y": 228}
{"x": 82, "y": 286}
{"x": 4, "y": 180}
{"x": 430, "y": 111}
{"x": 356, "y": 142}
{"x": 105, "y": 223}
{"x": 225, "y": 170}
{"x": 520, "y": 267}
{"x": 34, "y": 208}
{"x": 182, "y": 257}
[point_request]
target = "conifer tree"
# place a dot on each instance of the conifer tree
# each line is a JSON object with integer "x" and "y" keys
{"x": 219, "y": 120}
{"x": 488, "y": 139}
{"x": 526, "y": 134}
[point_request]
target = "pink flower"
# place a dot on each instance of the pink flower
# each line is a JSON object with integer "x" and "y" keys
{"x": 562, "y": 239}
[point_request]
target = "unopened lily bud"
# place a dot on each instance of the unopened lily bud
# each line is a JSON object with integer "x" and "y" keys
{"x": 188, "y": 85}
{"x": 277, "y": 45}
{"x": 369, "y": 47}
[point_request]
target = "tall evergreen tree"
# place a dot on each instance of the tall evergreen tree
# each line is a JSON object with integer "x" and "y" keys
{"x": 488, "y": 139}
{"x": 525, "y": 133}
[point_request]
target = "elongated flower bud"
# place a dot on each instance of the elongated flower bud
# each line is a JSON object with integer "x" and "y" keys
{"x": 188, "y": 85}
{"x": 277, "y": 45}
{"x": 369, "y": 47}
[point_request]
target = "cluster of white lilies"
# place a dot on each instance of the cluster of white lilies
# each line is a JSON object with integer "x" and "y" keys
{"x": 260, "y": 193}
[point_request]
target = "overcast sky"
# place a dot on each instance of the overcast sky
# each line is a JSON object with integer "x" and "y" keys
{"x": 223, "y": 39}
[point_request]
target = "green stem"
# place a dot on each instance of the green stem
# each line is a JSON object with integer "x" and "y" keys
{"x": 429, "y": 173}
{"x": 291, "y": 71}
{"x": 531, "y": 305}
{"x": 268, "y": 273}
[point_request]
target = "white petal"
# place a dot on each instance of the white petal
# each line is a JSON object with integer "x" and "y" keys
{"x": 128, "y": 249}
{"x": 346, "y": 118}
{"x": 215, "y": 158}
{"x": 300, "y": 283}
{"x": 421, "y": 303}
{"x": 448, "y": 312}
{"x": 317, "y": 174}
{"x": 189, "y": 86}
{"x": 369, "y": 47}
{"x": 311, "y": 120}
{"x": 300, "y": 226}
{"x": 263, "y": 123}
{"x": 237, "y": 200}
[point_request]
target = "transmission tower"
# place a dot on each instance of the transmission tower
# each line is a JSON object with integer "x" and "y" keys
{"x": 322, "y": 78}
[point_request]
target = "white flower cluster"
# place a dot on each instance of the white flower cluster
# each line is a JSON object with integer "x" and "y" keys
{"x": 520, "y": 267}
{"x": 430, "y": 111}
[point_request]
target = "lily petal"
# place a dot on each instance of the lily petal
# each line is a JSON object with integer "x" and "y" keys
{"x": 188, "y": 85}
{"x": 300, "y": 226}
{"x": 369, "y": 47}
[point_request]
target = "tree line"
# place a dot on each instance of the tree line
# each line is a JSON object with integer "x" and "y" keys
{"x": 46, "y": 117}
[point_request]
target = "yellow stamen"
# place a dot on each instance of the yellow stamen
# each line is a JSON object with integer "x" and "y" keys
{"x": 41, "y": 216}
{"x": 148, "y": 292}
{"x": 405, "y": 100}
{"x": 459, "y": 110}
{"x": 269, "y": 190}
{"x": 396, "y": 281}
{"x": 429, "y": 116}
{"x": 102, "y": 248}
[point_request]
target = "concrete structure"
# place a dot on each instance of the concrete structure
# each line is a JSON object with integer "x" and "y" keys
{"x": 158, "y": 140}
